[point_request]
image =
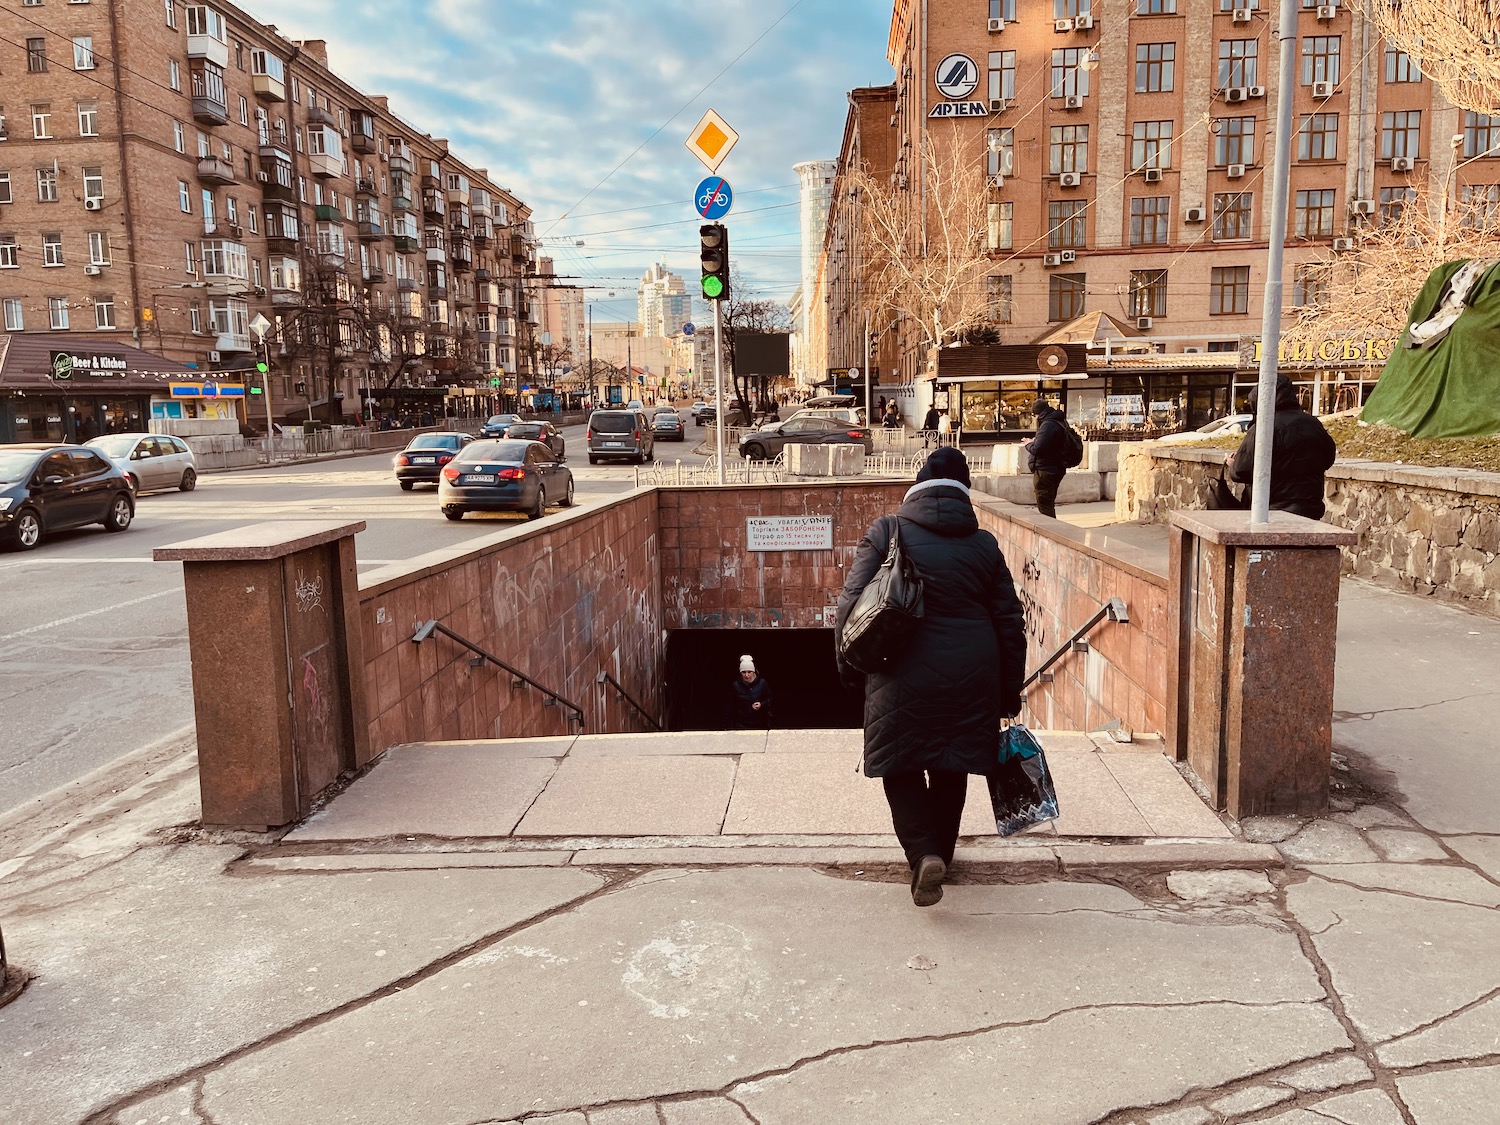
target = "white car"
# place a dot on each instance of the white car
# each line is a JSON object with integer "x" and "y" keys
{"x": 1231, "y": 425}
{"x": 150, "y": 460}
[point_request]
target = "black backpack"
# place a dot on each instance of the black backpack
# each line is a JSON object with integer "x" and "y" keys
{"x": 1073, "y": 457}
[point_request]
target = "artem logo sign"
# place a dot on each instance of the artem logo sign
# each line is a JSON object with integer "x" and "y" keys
{"x": 956, "y": 78}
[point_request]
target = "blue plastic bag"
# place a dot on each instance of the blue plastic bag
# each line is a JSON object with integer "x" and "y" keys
{"x": 1020, "y": 785}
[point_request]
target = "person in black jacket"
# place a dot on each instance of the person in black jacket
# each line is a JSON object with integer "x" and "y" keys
{"x": 1301, "y": 452}
{"x": 934, "y": 717}
{"x": 1046, "y": 456}
{"x": 750, "y": 700}
{"x": 929, "y": 427}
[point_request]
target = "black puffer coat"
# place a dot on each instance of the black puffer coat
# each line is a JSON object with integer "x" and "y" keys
{"x": 1048, "y": 451}
{"x": 1301, "y": 452}
{"x": 940, "y": 707}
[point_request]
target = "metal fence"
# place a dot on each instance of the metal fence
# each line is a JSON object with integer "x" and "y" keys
{"x": 884, "y": 464}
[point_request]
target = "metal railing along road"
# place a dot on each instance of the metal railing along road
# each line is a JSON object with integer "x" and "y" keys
{"x": 881, "y": 465}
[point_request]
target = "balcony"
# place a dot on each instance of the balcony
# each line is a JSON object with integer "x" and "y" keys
{"x": 406, "y": 244}
{"x": 208, "y": 110}
{"x": 400, "y": 203}
{"x": 437, "y": 290}
{"x": 326, "y": 165}
{"x": 327, "y": 213}
{"x": 317, "y": 115}
{"x": 518, "y": 251}
{"x": 482, "y": 275}
{"x": 461, "y": 254}
{"x": 458, "y": 214}
{"x": 485, "y": 336}
{"x": 279, "y": 243}
{"x": 408, "y": 284}
{"x": 434, "y": 206}
{"x": 286, "y": 298}
{"x": 374, "y": 274}
{"x": 267, "y": 88}
{"x": 371, "y": 230}
{"x": 234, "y": 342}
{"x": 212, "y": 170}
{"x": 366, "y": 187}
{"x": 462, "y": 299}
{"x": 362, "y": 143}
{"x": 482, "y": 237}
{"x": 459, "y": 194}
{"x": 207, "y": 37}
{"x": 401, "y": 165}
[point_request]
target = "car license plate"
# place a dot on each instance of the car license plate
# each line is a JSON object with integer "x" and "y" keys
{"x": 614, "y": 445}
{"x": 480, "y": 478}
{"x": 423, "y": 460}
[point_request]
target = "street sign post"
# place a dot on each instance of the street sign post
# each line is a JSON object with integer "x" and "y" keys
{"x": 260, "y": 326}
{"x": 689, "y": 328}
{"x": 713, "y": 198}
{"x": 711, "y": 140}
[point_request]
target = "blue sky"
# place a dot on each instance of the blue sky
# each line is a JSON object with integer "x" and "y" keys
{"x": 550, "y": 96}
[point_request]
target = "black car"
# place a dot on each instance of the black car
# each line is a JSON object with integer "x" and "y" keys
{"x": 422, "y": 460}
{"x": 46, "y": 488}
{"x": 505, "y": 476}
{"x": 666, "y": 425}
{"x": 544, "y": 432}
{"x": 497, "y": 425}
{"x": 766, "y": 443}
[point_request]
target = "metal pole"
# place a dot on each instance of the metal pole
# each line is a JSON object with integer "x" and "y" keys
{"x": 869, "y": 418}
{"x": 719, "y": 384}
{"x": 1270, "y": 326}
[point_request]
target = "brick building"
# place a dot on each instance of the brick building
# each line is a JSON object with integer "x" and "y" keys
{"x": 170, "y": 171}
{"x": 1126, "y": 149}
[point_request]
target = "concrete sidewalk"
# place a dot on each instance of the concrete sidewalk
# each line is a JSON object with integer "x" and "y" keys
{"x": 389, "y": 970}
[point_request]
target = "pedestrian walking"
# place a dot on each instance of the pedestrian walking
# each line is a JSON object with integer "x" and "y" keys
{"x": 880, "y": 406}
{"x": 1048, "y": 455}
{"x": 1301, "y": 453}
{"x": 929, "y": 426}
{"x": 750, "y": 702}
{"x": 934, "y": 717}
{"x": 891, "y": 419}
{"x": 944, "y": 429}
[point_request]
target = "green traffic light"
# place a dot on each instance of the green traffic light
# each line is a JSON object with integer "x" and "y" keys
{"x": 262, "y": 368}
{"x": 713, "y": 288}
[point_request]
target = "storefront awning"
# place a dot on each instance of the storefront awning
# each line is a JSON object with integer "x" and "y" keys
{"x": 1034, "y": 377}
{"x": 69, "y": 364}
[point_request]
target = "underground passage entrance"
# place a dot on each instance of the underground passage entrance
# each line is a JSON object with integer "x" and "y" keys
{"x": 702, "y": 665}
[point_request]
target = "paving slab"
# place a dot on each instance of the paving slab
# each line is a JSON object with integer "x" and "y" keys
{"x": 1090, "y": 800}
{"x": 718, "y": 978}
{"x": 453, "y": 791}
{"x": 697, "y": 743}
{"x": 806, "y": 791}
{"x": 1397, "y": 845}
{"x": 1165, "y": 801}
{"x": 499, "y": 747}
{"x": 1327, "y": 841}
{"x": 1449, "y": 1096}
{"x": 1251, "y": 1099}
{"x": 703, "y": 1111}
{"x": 1472, "y": 1034}
{"x": 1346, "y": 1070}
{"x": 841, "y": 740}
{"x": 402, "y": 861}
{"x": 1362, "y": 1107}
{"x": 1456, "y": 884}
{"x": 650, "y": 796}
{"x": 1270, "y": 829}
{"x": 1219, "y": 886}
{"x": 1168, "y": 855}
{"x": 1482, "y": 851}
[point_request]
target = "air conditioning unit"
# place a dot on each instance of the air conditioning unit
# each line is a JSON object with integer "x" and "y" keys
{"x": 1153, "y": 175}
{"x": 263, "y": 177}
{"x": 996, "y": 26}
{"x": 1343, "y": 245}
{"x": 1242, "y": 15}
{"x": 236, "y": 231}
{"x": 1235, "y": 94}
{"x": 1083, "y": 23}
{"x": 1143, "y": 322}
{"x": 1192, "y": 350}
{"x": 997, "y": 181}
{"x": 92, "y": 204}
{"x": 901, "y": 182}
{"x": 1051, "y": 259}
{"x": 1362, "y": 207}
{"x": 1235, "y": 171}
{"x": 1073, "y": 101}
{"x": 92, "y": 271}
{"x": 1328, "y": 11}
{"x": 1401, "y": 164}
{"x": 213, "y": 357}
{"x": 1193, "y": 215}
{"x": 1322, "y": 89}
{"x": 1070, "y": 179}
{"x": 895, "y": 120}
{"x": 1067, "y": 256}
{"x": 998, "y": 105}
{"x": 1062, "y": 25}
{"x": 1255, "y": 91}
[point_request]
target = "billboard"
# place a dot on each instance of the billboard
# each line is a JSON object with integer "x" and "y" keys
{"x": 762, "y": 353}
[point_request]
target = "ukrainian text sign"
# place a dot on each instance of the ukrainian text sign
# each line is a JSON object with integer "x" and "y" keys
{"x": 789, "y": 533}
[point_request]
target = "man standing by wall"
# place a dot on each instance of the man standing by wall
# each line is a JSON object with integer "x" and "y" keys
{"x": 1301, "y": 453}
{"x": 1048, "y": 455}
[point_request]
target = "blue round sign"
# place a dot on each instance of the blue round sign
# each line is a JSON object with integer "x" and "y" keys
{"x": 713, "y": 198}
{"x": 689, "y": 328}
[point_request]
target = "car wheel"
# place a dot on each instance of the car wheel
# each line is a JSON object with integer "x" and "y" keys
{"x": 121, "y": 512}
{"x": 567, "y": 500}
{"x": 189, "y": 481}
{"x": 755, "y": 451}
{"x": 651, "y": 454}
{"x": 562, "y": 452}
{"x": 454, "y": 513}
{"x": 406, "y": 485}
{"x": 541, "y": 504}
{"x": 593, "y": 460}
{"x": 28, "y": 529}
{"x": 135, "y": 481}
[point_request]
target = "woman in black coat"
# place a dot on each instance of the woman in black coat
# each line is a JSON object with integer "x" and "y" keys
{"x": 933, "y": 717}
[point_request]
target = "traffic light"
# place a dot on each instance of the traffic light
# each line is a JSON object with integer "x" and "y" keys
{"x": 713, "y": 240}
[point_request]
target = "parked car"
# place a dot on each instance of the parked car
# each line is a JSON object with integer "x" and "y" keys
{"x": 544, "y": 432}
{"x": 150, "y": 460}
{"x": 620, "y": 433}
{"x": 767, "y": 442}
{"x": 504, "y": 476}
{"x": 422, "y": 459}
{"x": 1231, "y": 425}
{"x": 636, "y": 404}
{"x": 498, "y": 424}
{"x": 666, "y": 425}
{"x": 47, "y": 488}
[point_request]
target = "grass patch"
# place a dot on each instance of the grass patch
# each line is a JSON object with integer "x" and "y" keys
{"x": 1385, "y": 443}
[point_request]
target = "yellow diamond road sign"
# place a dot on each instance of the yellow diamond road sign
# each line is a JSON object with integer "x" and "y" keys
{"x": 711, "y": 140}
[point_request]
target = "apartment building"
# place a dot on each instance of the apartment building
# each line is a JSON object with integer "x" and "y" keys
{"x": 170, "y": 173}
{"x": 663, "y": 303}
{"x": 1125, "y": 149}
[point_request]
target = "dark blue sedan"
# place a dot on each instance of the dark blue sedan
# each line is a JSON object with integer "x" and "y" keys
{"x": 504, "y": 476}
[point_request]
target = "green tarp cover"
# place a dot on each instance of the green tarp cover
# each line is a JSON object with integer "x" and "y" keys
{"x": 1450, "y": 389}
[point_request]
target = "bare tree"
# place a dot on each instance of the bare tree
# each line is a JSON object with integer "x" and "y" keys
{"x": 746, "y": 310}
{"x": 1456, "y": 41}
{"x": 327, "y": 331}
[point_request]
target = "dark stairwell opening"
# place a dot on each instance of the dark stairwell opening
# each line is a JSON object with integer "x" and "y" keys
{"x": 702, "y": 664}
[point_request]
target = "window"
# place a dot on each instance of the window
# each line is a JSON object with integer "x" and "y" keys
{"x": 1479, "y": 206}
{"x": 205, "y": 147}
{"x": 1229, "y": 291}
{"x": 41, "y": 122}
{"x": 46, "y": 185}
{"x": 5, "y": 196}
{"x": 1068, "y": 75}
{"x": 210, "y": 212}
{"x": 1310, "y": 285}
{"x": 104, "y": 312}
{"x": 1481, "y": 136}
{"x": 15, "y": 319}
{"x": 174, "y": 75}
{"x": 244, "y": 111}
{"x": 997, "y": 292}
{"x": 93, "y": 183}
{"x": 171, "y": 6}
{"x": 208, "y": 82}
{"x": 184, "y": 198}
{"x": 1065, "y": 293}
{"x": 239, "y": 55}
{"x": 1000, "y": 225}
{"x": 1067, "y": 224}
{"x": 10, "y": 252}
{"x": 1240, "y": 5}
{"x": 52, "y": 249}
{"x": 252, "y": 218}
{"x": 1000, "y": 152}
{"x": 1233, "y": 216}
{"x": 1155, "y": 7}
{"x": 1400, "y": 133}
{"x": 83, "y": 52}
{"x": 232, "y": 211}
{"x": 88, "y": 119}
{"x": 190, "y": 256}
{"x": 1003, "y": 74}
{"x": 195, "y": 318}
{"x": 1151, "y": 144}
{"x": 1069, "y": 149}
{"x": 1237, "y": 62}
{"x": 1400, "y": 67}
{"x": 1148, "y": 292}
{"x": 1235, "y": 141}
{"x": 98, "y": 248}
{"x": 1066, "y": 9}
{"x": 1320, "y": 59}
{"x": 36, "y": 55}
{"x": 1318, "y": 137}
{"x": 1392, "y": 202}
{"x": 1314, "y": 213}
{"x": 1149, "y": 220}
{"x": 57, "y": 313}
{"x": 177, "y": 137}
{"x": 1154, "y": 66}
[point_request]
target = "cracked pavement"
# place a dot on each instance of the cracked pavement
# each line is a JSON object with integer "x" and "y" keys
{"x": 1358, "y": 984}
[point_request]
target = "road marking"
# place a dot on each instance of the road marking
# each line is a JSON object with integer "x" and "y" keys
{"x": 29, "y": 563}
{"x": 90, "y": 613}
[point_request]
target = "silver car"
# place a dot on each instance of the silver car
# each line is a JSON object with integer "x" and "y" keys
{"x": 150, "y": 460}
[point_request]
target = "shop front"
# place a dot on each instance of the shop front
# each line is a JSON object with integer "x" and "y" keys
{"x": 1330, "y": 376}
{"x": 988, "y": 389}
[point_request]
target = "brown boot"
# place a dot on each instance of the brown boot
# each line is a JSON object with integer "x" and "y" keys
{"x": 927, "y": 880}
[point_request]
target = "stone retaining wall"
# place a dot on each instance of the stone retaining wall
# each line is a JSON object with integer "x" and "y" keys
{"x": 1427, "y": 531}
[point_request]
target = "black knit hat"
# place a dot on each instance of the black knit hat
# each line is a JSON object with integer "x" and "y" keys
{"x": 946, "y": 463}
{"x": 1040, "y": 407}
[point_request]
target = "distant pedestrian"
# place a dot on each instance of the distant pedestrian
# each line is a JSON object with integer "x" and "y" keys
{"x": 934, "y": 717}
{"x": 930, "y": 426}
{"x": 880, "y": 406}
{"x": 750, "y": 704}
{"x": 891, "y": 418}
{"x": 1301, "y": 453}
{"x": 944, "y": 429}
{"x": 1047, "y": 455}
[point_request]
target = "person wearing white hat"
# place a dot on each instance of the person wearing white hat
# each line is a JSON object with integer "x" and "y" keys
{"x": 750, "y": 701}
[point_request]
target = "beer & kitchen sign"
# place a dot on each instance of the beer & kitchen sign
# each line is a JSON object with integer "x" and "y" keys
{"x": 65, "y": 365}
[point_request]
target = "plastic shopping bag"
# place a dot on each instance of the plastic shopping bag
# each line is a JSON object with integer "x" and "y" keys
{"x": 1021, "y": 790}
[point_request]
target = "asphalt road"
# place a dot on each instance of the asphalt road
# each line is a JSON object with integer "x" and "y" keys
{"x": 93, "y": 634}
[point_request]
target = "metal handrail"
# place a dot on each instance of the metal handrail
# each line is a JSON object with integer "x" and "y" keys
{"x": 427, "y": 630}
{"x": 606, "y": 678}
{"x": 1114, "y": 609}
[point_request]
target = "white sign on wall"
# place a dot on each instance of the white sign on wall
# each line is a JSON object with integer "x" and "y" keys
{"x": 789, "y": 533}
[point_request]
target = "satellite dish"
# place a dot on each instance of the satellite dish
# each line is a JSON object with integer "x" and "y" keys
{"x": 1052, "y": 359}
